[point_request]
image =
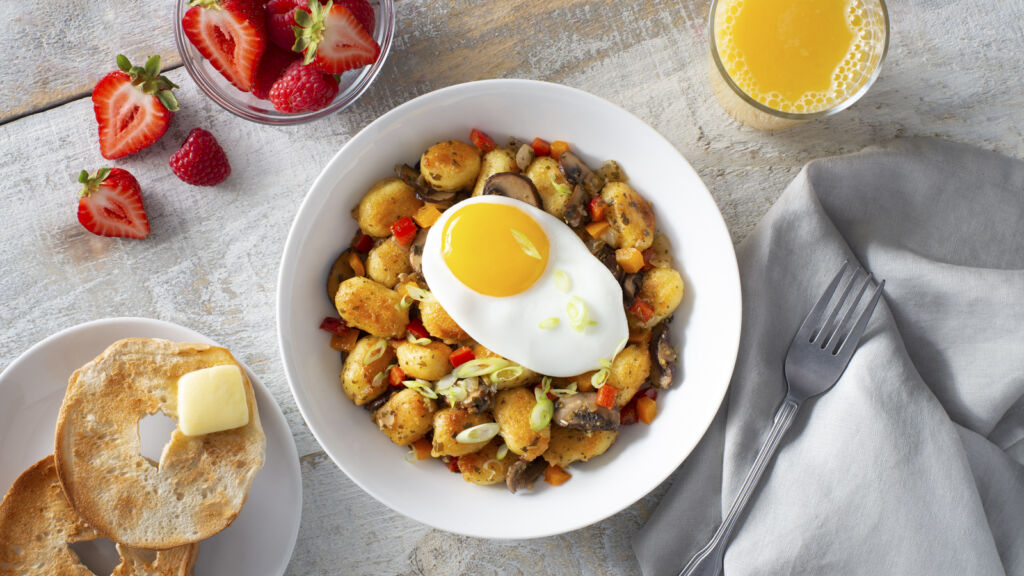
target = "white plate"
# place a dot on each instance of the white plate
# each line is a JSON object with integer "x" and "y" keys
{"x": 261, "y": 539}
{"x": 707, "y": 325}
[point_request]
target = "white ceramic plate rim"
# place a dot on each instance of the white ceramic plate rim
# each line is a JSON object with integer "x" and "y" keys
{"x": 299, "y": 232}
{"x": 270, "y": 413}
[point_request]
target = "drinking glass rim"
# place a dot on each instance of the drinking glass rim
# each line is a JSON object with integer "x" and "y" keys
{"x": 839, "y": 107}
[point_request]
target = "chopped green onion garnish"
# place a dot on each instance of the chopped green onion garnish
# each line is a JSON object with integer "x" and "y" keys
{"x": 502, "y": 452}
{"x": 411, "y": 457}
{"x": 417, "y": 341}
{"x": 569, "y": 390}
{"x": 605, "y": 363}
{"x": 492, "y": 466}
{"x": 577, "y": 312}
{"x": 445, "y": 382}
{"x": 600, "y": 377}
{"x": 405, "y": 303}
{"x": 560, "y": 188}
{"x": 548, "y": 324}
{"x": 540, "y": 416}
{"x": 526, "y": 245}
{"x": 378, "y": 379}
{"x": 481, "y": 366}
{"x": 562, "y": 282}
{"x": 421, "y": 386}
{"x": 419, "y": 294}
{"x": 375, "y": 353}
{"x": 478, "y": 433}
{"x": 507, "y": 373}
{"x": 457, "y": 393}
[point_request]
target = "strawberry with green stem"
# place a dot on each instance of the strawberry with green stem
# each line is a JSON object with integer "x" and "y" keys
{"x": 332, "y": 39}
{"x": 133, "y": 106}
{"x": 110, "y": 204}
{"x": 230, "y": 34}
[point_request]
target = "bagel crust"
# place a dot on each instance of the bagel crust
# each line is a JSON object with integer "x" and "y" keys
{"x": 37, "y": 524}
{"x": 200, "y": 484}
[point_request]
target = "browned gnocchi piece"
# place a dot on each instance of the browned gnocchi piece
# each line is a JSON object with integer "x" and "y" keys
{"x": 450, "y": 166}
{"x": 387, "y": 202}
{"x": 512, "y": 409}
{"x": 629, "y": 215}
{"x": 427, "y": 362}
{"x": 484, "y": 467}
{"x": 494, "y": 162}
{"x": 550, "y": 184}
{"x": 359, "y": 374}
{"x": 569, "y": 445}
{"x": 629, "y": 371}
{"x": 662, "y": 288}
{"x": 386, "y": 261}
{"x": 448, "y": 422}
{"x": 371, "y": 307}
{"x": 439, "y": 324}
{"x": 406, "y": 417}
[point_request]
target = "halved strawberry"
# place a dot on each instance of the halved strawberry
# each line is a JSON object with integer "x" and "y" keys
{"x": 133, "y": 107}
{"x": 273, "y": 64}
{"x": 110, "y": 204}
{"x": 280, "y": 20}
{"x": 230, "y": 34}
{"x": 363, "y": 12}
{"x": 332, "y": 39}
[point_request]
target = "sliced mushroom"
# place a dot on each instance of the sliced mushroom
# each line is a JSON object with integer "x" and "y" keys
{"x": 603, "y": 253}
{"x": 524, "y": 157}
{"x": 381, "y": 400}
{"x": 576, "y": 211}
{"x": 513, "y": 185}
{"x": 424, "y": 192}
{"x": 479, "y": 397}
{"x": 341, "y": 270}
{"x": 582, "y": 412}
{"x": 416, "y": 251}
{"x": 664, "y": 356}
{"x": 524, "y": 473}
{"x": 631, "y": 287}
{"x": 578, "y": 174}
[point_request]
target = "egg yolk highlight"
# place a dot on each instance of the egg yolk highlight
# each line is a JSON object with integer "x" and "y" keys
{"x": 494, "y": 249}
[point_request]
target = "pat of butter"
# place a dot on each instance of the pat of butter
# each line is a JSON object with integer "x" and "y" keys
{"x": 212, "y": 400}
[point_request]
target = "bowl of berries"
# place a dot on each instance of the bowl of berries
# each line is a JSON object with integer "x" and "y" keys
{"x": 283, "y": 62}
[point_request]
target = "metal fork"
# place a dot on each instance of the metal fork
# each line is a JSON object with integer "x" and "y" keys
{"x": 817, "y": 356}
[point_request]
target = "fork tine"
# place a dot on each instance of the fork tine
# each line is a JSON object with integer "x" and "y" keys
{"x": 843, "y": 326}
{"x": 813, "y": 319}
{"x": 847, "y": 346}
{"x": 830, "y": 327}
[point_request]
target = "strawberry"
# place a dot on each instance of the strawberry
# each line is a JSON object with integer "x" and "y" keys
{"x": 272, "y": 66}
{"x": 133, "y": 106}
{"x": 363, "y": 12}
{"x": 230, "y": 34}
{"x": 200, "y": 161}
{"x": 110, "y": 204}
{"x": 280, "y": 20}
{"x": 332, "y": 39}
{"x": 303, "y": 89}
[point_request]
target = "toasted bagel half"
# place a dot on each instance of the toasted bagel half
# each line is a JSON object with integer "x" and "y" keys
{"x": 201, "y": 482}
{"x": 37, "y": 524}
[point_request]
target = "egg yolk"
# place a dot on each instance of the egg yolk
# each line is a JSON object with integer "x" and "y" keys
{"x": 494, "y": 249}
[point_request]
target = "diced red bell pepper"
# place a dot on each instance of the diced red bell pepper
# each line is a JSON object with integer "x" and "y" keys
{"x": 453, "y": 464}
{"x": 415, "y": 327}
{"x": 363, "y": 243}
{"x": 627, "y": 416}
{"x": 597, "y": 207}
{"x": 333, "y": 325}
{"x": 396, "y": 376}
{"x": 642, "y": 310}
{"x": 461, "y": 356}
{"x": 422, "y": 448}
{"x": 404, "y": 231}
{"x": 606, "y": 396}
{"x": 648, "y": 255}
{"x": 481, "y": 140}
{"x": 541, "y": 147}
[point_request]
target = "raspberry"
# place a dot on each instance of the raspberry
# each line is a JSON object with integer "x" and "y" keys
{"x": 200, "y": 161}
{"x": 303, "y": 89}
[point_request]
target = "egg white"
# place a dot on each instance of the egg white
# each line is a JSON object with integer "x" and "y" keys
{"x": 509, "y": 325}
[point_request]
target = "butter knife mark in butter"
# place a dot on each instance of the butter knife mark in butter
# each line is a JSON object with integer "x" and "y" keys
{"x": 212, "y": 400}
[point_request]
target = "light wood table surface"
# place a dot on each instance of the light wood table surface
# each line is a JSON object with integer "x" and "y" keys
{"x": 954, "y": 70}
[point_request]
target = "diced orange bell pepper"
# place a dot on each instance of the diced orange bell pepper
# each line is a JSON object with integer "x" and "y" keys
{"x": 396, "y": 376}
{"x": 631, "y": 259}
{"x": 558, "y": 147}
{"x": 357, "y": 264}
{"x": 555, "y": 476}
{"x": 646, "y": 409}
{"x": 597, "y": 229}
{"x": 426, "y": 215}
{"x": 422, "y": 448}
{"x": 606, "y": 396}
{"x": 345, "y": 341}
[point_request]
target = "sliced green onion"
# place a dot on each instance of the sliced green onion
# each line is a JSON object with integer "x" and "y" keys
{"x": 478, "y": 433}
{"x": 481, "y": 366}
{"x": 421, "y": 386}
{"x": 418, "y": 341}
{"x": 561, "y": 188}
{"x": 540, "y": 416}
{"x": 411, "y": 457}
{"x": 507, "y": 373}
{"x": 526, "y": 245}
{"x": 605, "y": 363}
{"x": 577, "y": 311}
{"x": 502, "y": 452}
{"x": 419, "y": 294}
{"x": 569, "y": 390}
{"x": 600, "y": 377}
{"x": 492, "y": 466}
{"x": 548, "y": 324}
{"x": 445, "y": 382}
{"x": 456, "y": 393}
{"x": 545, "y": 384}
{"x": 562, "y": 281}
{"x": 375, "y": 353}
{"x": 405, "y": 303}
{"x": 378, "y": 379}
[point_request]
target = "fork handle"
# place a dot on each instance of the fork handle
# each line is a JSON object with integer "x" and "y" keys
{"x": 708, "y": 561}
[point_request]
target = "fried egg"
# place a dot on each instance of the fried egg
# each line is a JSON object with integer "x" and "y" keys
{"x": 520, "y": 282}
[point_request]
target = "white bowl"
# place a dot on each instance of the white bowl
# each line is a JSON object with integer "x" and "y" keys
{"x": 706, "y": 326}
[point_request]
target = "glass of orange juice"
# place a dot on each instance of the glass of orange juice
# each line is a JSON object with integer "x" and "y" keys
{"x": 776, "y": 63}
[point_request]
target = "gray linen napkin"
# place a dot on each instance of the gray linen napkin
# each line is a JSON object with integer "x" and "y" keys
{"x": 914, "y": 462}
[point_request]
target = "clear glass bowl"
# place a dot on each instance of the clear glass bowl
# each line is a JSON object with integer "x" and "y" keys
{"x": 243, "y": 104}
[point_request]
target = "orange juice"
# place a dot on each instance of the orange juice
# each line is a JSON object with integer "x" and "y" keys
{"x": 799, "y": 56}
